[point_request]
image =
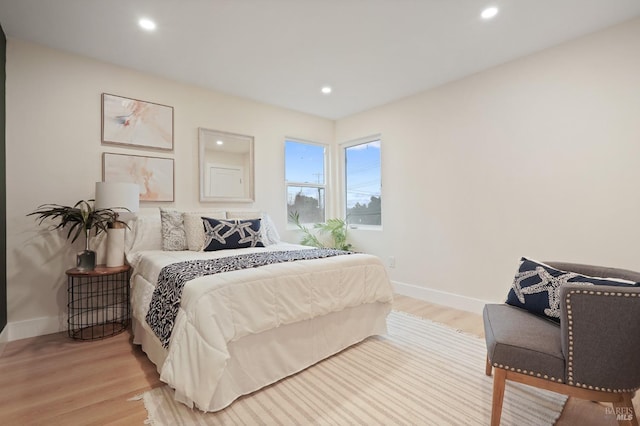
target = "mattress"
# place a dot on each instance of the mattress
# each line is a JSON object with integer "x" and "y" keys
{"x": 238, "y": 331}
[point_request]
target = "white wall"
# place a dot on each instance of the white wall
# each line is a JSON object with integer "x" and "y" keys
{"x": 54, "y": 156}
{"x": 537, "y": 157}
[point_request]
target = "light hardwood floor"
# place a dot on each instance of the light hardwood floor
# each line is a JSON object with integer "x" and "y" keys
{"x": 53, "y": 380}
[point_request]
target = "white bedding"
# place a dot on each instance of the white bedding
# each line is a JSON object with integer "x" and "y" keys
{"x": 220, "y": 310}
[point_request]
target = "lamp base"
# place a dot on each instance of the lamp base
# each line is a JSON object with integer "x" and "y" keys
{"x": 115, "y": 247}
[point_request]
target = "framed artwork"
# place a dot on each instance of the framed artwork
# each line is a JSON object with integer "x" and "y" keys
{"x": 155, "y": 175}
{"x": 137, "y": 123}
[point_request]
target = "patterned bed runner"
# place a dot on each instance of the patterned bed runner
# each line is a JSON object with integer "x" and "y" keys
{"x": 167, "y": 294}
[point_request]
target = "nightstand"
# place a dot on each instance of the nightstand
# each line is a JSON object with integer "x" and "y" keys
{"x": 98, "y": 302}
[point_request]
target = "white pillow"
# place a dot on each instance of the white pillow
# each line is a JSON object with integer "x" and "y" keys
{"x": 251, "y": 214}
{"x": 267, "y": 227}
{"x": 194, "y": 229}
{"x": 270, "y": 233}
{"x": 144, "y": 233}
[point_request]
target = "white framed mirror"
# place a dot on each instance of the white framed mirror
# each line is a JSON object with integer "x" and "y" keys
{"x": 226, "y": 166}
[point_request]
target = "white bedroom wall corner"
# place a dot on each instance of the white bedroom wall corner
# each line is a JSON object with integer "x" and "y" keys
{"x": 35, "y": 327}
{"x": 472, "y": 167}
{"x": 464, "y": 303}
{"x": 61, "y": 92}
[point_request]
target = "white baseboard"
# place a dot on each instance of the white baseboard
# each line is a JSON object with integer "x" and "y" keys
{"x": 438, "y": 297}
{"x": 34, "y": 327}
{"x": 4, "y": 336}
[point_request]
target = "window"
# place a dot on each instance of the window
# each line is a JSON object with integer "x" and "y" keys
{"x": 305, "y": 175}
{"x": 363, "y": 182}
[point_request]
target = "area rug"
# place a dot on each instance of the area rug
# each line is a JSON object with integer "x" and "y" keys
{"x": 421, "y": 373}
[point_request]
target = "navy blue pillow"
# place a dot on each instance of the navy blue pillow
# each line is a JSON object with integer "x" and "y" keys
{"x": 231, "y": 234}
{"x": 536, "y": 287}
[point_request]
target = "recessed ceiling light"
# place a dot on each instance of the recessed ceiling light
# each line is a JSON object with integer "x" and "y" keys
{"x": 489, "y": 12}
{"x": 219, "y": 143}
{"x": 326, "y": 90}
{"x": 147, "y": 24}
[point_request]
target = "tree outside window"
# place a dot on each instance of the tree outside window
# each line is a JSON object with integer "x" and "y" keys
{"x": 363, "y": 183}
{"x": 305, "y": 170}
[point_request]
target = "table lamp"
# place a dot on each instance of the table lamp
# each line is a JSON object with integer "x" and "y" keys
{"x": 124, "y": 199}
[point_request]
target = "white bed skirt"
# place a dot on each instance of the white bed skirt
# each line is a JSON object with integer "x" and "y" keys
{"x": 258, "y": 360}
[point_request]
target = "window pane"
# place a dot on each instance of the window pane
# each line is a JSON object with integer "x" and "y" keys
{"x": 304, "y": 163}
{"x": 363, "y": 183}
{"x": 308, "y": 202}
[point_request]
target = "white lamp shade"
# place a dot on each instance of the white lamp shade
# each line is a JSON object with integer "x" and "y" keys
{"x": 118, "y": 196}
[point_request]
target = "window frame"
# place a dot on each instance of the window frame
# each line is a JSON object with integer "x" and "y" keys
{"x": 325, "y": 186}
{"x": 343, "y": 178}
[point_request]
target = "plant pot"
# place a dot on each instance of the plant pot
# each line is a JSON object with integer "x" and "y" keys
{"x": 86, "y": 260}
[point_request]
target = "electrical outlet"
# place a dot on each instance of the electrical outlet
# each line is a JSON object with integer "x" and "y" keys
{"x": 391, "y": 261}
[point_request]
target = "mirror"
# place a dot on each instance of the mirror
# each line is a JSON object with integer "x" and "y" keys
{"x": 226, "y": 166}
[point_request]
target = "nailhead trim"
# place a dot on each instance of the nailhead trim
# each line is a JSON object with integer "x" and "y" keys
{"x": 570, "y": 333}
{"x": 528, "y": 372}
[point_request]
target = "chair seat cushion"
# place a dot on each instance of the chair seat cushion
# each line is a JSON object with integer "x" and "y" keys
{"x": 520, "y": 341}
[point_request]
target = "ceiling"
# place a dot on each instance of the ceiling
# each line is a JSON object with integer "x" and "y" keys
{"x": 282, "y": 52}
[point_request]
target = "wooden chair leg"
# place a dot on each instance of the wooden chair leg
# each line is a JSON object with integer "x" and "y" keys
{"x": 499, "y": 381}
{"x": 488, "y": 367}
{"x": 624, "y": 411}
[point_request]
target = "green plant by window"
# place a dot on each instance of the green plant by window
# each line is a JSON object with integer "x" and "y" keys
{"x": 335, "y": 228}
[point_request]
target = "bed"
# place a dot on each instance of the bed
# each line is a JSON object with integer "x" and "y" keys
{"x": 238, "y": 331}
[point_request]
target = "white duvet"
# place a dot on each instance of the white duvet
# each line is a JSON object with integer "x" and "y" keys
{"x": 222, "y": 308}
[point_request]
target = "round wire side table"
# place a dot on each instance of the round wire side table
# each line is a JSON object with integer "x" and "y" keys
{"x": 98, "y": 302}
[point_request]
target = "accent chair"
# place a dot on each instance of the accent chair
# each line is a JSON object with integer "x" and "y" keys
{"x": 593, "y": 353}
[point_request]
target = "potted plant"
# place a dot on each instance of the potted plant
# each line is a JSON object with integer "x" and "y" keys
{"x": 80, "y": 219}
{"x": 336, "y": 228}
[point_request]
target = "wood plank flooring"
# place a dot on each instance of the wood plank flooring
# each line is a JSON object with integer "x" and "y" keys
{"x": 53, "y": 380}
